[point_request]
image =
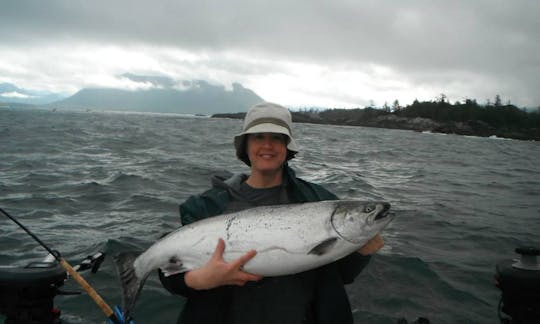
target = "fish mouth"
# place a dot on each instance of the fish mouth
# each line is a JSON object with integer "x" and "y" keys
{"x": 384, "y": 213}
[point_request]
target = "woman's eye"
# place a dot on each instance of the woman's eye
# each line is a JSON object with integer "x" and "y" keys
{"x": 278, "y": 138}
{"x": 258, "y": 136}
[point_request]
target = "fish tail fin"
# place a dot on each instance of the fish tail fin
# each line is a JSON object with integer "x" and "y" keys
{"x": 131, "y": 284}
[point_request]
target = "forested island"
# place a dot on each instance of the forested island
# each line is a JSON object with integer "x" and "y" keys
{"x": 440, "y": 116}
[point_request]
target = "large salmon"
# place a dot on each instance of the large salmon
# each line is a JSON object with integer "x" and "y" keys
{"x": 288, "y": 239}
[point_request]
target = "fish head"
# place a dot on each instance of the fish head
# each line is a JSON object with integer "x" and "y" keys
{"x": 357, "y": 222}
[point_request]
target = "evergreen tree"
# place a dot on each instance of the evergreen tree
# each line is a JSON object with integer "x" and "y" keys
{"x": 386, "y": 107}
{"x": 498, "y": 101}
{"x": 396, "y": 106}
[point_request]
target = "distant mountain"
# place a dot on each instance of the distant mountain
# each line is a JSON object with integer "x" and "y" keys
{"x": 162, "y": 94}
{"x": 10, "y": 93}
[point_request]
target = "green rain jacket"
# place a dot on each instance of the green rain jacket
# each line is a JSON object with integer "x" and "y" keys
{"x": 315, "y": 296}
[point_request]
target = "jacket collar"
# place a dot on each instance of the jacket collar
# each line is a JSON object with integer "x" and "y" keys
{"x": 228, "y": 180}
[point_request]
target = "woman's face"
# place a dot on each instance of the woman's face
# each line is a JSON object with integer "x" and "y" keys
{"x": 266, "y": 151}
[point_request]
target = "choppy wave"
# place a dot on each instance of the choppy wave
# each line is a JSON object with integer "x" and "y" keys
{"x": 98, "y": 181}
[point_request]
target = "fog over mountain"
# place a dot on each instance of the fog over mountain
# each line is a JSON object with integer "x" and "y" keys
{"x": 162, "y": 94}
{"x": 10, "y": 93}
{"x": 150, "y": 94}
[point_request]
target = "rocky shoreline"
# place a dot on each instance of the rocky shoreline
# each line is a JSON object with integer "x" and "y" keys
{"x": 419, "y": 124}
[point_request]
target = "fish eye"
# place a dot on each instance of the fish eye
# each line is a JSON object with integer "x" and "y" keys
{"x": 369, "y": 209}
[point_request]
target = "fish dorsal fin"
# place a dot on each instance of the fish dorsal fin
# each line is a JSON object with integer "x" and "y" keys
{"x": 323, "y": 247}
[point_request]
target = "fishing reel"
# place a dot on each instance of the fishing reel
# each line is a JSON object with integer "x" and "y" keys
{"x": 27, "y": 293}
{"x": 519, "y": 282}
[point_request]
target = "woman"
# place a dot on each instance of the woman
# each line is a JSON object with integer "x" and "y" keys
{"x": 221, "y": 292}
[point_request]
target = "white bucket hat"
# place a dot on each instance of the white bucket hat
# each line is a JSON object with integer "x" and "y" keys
{"x": 266, "y": 117}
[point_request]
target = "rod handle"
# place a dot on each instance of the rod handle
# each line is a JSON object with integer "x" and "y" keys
{"x": 107, "y": 310}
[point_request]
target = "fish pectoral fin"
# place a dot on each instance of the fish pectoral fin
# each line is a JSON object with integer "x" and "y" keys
{"x": 323, "y": 247}
{"x": 174, "y": 266}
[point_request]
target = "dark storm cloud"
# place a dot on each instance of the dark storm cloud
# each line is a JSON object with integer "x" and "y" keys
{"x": 391, "y": 30}
{"x": 419, "y": 39}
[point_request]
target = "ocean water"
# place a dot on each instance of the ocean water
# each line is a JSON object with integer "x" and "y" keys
{"x": 96, "y": 181}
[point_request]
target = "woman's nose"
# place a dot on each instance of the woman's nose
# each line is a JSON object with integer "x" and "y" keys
{"x": 267, "y": 142}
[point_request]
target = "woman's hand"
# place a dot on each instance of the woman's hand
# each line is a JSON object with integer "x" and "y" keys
{"x": 372, "y": 246}
{"x": 216, "y": 272}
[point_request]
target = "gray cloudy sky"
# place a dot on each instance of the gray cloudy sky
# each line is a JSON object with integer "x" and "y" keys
{"x": 297, "y": 53}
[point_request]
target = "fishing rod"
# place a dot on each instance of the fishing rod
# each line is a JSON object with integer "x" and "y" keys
{"x": 115, "y": 317}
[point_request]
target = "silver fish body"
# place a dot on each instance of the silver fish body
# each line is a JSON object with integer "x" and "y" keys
{"x": 288, "y": 239}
